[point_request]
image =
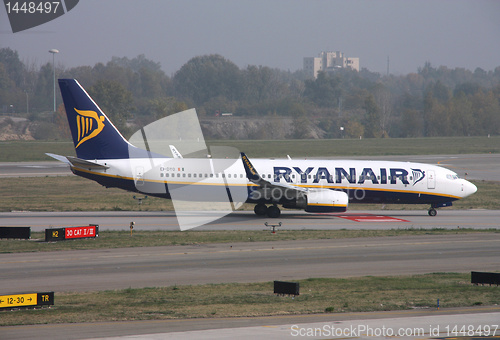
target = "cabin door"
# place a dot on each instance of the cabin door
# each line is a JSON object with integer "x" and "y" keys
{"x": 431, "y": 179}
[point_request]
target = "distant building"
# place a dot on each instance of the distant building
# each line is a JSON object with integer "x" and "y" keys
{"x": 329, "y": 62}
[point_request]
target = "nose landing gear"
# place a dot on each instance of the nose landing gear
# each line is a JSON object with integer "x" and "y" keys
{"x": 432, "y": 210}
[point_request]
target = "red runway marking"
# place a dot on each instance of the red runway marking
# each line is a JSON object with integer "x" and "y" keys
{"x": 371, "y": 218}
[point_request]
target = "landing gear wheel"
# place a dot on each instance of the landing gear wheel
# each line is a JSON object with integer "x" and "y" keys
{"x": 432, "y": 212}
{"x": 273, "y": 211}
{"x": 260, "y": 209}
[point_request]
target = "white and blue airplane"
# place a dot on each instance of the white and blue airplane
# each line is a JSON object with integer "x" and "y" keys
{"x": 317, "y": 186}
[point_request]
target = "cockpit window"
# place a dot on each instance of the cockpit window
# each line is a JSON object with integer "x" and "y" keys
{"x": 449, "y": 176}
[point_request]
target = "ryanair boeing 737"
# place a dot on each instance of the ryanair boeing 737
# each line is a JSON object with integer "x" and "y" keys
{"x": 317, "y": 186}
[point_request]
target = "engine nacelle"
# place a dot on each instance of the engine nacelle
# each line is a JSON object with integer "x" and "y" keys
{"x": 326, "y": 201}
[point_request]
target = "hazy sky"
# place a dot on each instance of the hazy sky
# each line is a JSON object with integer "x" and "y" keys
{"x": 275, "y": 33}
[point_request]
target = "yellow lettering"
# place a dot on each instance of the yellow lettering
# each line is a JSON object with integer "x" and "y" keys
{"x": 17, "y": 300}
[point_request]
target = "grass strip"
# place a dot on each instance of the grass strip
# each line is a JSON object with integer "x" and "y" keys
{"x": 122, "y": 239}
{"x": 317, "y": 295}
{"x": 19, "y": 151}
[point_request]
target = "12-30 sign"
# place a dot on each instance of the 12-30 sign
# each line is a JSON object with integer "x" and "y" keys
{"x": 26, "y": 300}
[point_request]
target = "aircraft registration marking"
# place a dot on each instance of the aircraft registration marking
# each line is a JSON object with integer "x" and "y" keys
{"x": 371, "y": 218}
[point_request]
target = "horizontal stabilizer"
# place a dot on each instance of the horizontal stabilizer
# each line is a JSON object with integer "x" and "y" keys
{"x": 77, "y": 162}
{"x": 59, "y": 158}
{"x": 82, "y": 163}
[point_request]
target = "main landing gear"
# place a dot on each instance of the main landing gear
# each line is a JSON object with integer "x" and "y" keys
{"x": 272, "y": 211}
{"x": 432, "y": 212}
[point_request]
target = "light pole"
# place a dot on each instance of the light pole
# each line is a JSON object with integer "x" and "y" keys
{"x": 54, "y": 51}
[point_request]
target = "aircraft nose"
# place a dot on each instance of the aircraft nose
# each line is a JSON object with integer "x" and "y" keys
{"x": 469, "y": 188}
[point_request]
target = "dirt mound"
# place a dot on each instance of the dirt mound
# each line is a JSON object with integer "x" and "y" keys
{"x": 12, "y": 128}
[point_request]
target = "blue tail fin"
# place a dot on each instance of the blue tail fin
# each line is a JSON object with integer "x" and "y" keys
{"x": 94, "y": 136}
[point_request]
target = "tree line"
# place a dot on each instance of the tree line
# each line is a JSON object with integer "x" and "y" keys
{"x": 434, "y": 101}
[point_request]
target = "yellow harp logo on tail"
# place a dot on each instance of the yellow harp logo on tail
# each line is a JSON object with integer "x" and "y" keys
{"x": 88, "y": 125}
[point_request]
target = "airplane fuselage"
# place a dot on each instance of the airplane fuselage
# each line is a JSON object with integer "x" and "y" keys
{"x": 363, "y": 181}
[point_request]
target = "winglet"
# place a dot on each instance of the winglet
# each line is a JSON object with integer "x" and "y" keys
{"x": 175, "y": 152}
{"x": 252, "y": 174}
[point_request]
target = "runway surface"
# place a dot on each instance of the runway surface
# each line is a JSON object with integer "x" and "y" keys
{"x": 33, "y": 169}
{"x": 424, "y": 324}
{"x": 246, "y": 220}
{"x": 477, "y": 166}
{"x": 92, "y": 270}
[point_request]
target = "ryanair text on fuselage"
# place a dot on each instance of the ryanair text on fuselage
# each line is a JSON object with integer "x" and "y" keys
{"x": 385, "y": 176}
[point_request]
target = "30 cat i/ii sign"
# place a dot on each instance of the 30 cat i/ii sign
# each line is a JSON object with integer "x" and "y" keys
{"x": 60, "y": 234}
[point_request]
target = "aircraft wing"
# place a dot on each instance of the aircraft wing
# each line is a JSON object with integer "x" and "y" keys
{"x": 254, "y": 177}
{"x": 309, "y": 199}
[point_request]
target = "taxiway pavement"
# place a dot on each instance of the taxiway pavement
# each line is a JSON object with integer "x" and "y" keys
{"x": 246, "y": 220}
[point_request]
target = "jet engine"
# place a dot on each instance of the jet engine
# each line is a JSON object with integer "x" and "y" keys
{"x": 326, "y": 201}
{"x": 321, "y": 200}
